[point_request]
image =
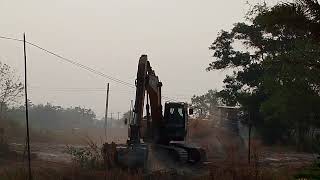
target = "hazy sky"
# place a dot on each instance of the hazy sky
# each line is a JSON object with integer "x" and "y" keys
{"x": 110, "y": 36}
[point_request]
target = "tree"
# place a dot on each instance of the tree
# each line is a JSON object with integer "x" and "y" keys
{"x": 205, "y": 104}
{"x": 10, "y": 87}
{"x": 48, "y": 116}
{"x": 275, "y": 62}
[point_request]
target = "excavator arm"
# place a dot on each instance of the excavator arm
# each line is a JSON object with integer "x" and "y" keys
{"x": 134, "y": 136}
{"x": 153, "y": 88}
{"x": 147, "y": 82}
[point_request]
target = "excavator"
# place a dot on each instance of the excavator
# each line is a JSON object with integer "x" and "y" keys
{"x": 166, "y": 130}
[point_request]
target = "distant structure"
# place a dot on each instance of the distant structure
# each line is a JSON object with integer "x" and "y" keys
{"x": 226, "y": 117}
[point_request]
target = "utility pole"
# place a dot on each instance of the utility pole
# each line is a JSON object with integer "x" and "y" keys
{"x": 131, "y": 112}
{"x": 111, "y": 115}
{"x": 26, "y": 103}
{"x": 249, "y": 138}
{"x": 106, "y": 114}
{"x": 118, "y": 116}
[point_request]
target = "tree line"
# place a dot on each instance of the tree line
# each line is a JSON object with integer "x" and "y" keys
{"x": 52, "y": 117}
{"x": 43, "y": 116}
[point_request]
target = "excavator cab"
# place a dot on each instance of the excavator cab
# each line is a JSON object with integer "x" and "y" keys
{"x": 175, "y": 121}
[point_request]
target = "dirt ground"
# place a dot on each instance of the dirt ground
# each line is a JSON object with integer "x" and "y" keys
{"x": 221, "y": 146}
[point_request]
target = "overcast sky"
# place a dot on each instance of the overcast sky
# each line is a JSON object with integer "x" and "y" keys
{"x": 110, "y": 36}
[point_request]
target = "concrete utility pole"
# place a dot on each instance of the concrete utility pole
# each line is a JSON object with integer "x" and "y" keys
{"x": 106, "y": 113}
{"x": 26, "y": 102}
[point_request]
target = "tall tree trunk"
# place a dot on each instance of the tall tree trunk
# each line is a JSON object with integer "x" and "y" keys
{"x": 1, "y": 110}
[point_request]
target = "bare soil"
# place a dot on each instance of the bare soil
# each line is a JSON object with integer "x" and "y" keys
{"x": 225, "y": 151}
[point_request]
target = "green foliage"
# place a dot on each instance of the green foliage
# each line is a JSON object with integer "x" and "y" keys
{"x": 54, "y": 117}
{"x": 206, "y": 103}
{"x": 88, "y": 157}
{"x": 276, "y": 77}
{"x": 10, "y": 87}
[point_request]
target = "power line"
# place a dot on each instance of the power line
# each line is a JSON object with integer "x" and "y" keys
{"x": 91, "y": 89}
{"x": 73, "y": 62}
{"x": 84, "y": 67}
{"x": 80, "y": 65}
{"x": 81, "y": 89}
{"x": 77, "y": 89}
{"x": 96, "y": 91}
{"x": 10, "y": 38}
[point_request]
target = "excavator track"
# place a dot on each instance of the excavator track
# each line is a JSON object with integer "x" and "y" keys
{"x": 195, "y": 154}
{"x": 179, "y": 154}
{"x": 185, "y": 153}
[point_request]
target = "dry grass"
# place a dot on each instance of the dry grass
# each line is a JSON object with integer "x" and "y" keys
{"x": 229, "y": 156}
{"x": 233, "y": 165}
{"x": 236, "y": 167}
{"x": 217, "y": 172}
{"x": 72, "y": 173}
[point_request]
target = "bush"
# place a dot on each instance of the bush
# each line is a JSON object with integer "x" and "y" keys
{"x": 89, "y": 157}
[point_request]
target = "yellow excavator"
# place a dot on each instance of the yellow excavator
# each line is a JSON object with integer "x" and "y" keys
{"x": 165, "y": 129}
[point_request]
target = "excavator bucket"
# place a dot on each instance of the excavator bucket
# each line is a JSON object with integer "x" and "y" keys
{"x": 109, "y": 153}
{"x": 125, "y": 155}
{"x": 132, "y": 155}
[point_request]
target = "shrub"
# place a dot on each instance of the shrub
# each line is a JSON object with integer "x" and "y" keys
{"x": 87, "y": 157}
